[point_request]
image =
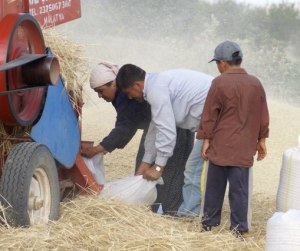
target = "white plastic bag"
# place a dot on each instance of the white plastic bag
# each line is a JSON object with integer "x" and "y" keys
{"x": 96, "y": 166}
{"x": 132, "y": 190}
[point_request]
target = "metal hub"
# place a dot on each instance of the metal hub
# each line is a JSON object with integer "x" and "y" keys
{"x": 39, "y": 201}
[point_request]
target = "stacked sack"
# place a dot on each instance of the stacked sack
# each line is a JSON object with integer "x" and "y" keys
{"x": 283, "y": 231}
{"x": 289, "y": 185}
{"x": 283, "y": 228}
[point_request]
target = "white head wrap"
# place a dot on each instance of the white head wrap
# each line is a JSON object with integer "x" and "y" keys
{"x": 103, "y": 73}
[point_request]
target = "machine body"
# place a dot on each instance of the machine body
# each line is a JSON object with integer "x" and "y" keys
{"x": 42, "y": 164}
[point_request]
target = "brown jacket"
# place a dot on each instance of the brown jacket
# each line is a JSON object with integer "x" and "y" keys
{"x": 235, "y": 116}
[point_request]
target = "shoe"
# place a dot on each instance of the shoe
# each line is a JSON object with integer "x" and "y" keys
{"x": 239, "y": 234}
{"x": 206, "y": 228}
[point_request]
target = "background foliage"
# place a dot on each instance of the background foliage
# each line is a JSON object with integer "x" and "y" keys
{"x": 268, "y": 35}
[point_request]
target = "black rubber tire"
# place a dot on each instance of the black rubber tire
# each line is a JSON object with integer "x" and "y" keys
{"x": 18, "y": 171}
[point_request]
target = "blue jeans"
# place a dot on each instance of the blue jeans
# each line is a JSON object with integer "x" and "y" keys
{"x": 191, "y": 188}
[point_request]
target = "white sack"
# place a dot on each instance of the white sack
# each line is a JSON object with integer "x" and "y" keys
{"x": 132, "y": 190}
{"x": 96, "y": 166}
{"x": 283, "y": 231}
{"x": 289, "y": 183}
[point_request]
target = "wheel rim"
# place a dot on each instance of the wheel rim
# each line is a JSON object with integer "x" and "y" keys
{"x": 39, "y": 200}
{"x": 21, "y": 35}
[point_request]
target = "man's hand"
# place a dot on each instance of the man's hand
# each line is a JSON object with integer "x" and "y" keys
{"x": 142, "y": 168}
{"x": 204, "y": 149}
{"x": 261, "y": 149}
{"x": 90, "y": 152}
{"x": 152, "y": 173}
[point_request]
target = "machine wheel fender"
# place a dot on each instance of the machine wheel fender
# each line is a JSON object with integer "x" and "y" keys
{"x": 30, "y": 167}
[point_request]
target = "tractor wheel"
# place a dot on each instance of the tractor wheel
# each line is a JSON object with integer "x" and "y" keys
{"x": 29, "y": 186}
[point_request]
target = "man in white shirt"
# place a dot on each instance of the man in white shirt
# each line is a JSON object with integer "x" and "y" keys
{"x": 176, "y": 98}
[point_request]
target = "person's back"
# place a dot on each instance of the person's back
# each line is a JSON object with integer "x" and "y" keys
{"x": 240, "y": 98}
{"x": 185, "y": 89}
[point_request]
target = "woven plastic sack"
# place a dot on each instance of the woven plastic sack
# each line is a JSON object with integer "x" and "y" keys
{"x": 132, "y": 190}
{"x": 289, "y": 185}
{"x": 96, "y": 167}
{"x": 283, "y": 231}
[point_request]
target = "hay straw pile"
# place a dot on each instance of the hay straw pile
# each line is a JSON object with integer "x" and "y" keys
{"x": 74, "y": 67}
{"x": 5, "y": 143}
{"x": 91, "y": 223}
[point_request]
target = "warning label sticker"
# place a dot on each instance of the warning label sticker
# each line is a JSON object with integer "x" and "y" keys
{"x": 53, "y": 12}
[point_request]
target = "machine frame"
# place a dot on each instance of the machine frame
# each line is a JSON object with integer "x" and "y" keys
{"x": 43, "y": 161}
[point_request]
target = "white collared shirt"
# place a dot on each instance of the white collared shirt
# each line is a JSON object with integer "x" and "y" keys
{"x": 177, "y": 98}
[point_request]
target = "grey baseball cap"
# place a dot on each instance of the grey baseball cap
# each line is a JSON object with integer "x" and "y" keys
{"x": 225, "y": 50}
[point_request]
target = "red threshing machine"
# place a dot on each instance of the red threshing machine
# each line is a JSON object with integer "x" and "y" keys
{"x": 44, "y": 161}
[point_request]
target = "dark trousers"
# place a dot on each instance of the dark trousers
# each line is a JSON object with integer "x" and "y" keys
{"x": 238, "y": 179}
{"x": 169, "y": 195}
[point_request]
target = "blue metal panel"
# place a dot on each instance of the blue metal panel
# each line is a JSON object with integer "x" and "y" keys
{"x": 58, "y": 127}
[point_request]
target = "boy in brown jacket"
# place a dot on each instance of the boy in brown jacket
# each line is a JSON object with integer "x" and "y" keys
{"x": 234, "y": 126}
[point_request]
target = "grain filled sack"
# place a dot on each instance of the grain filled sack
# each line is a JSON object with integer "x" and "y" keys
{"x": 289, "y": 183}
{"x": 132, "y": 190}
{"x": 283, "y": 231}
